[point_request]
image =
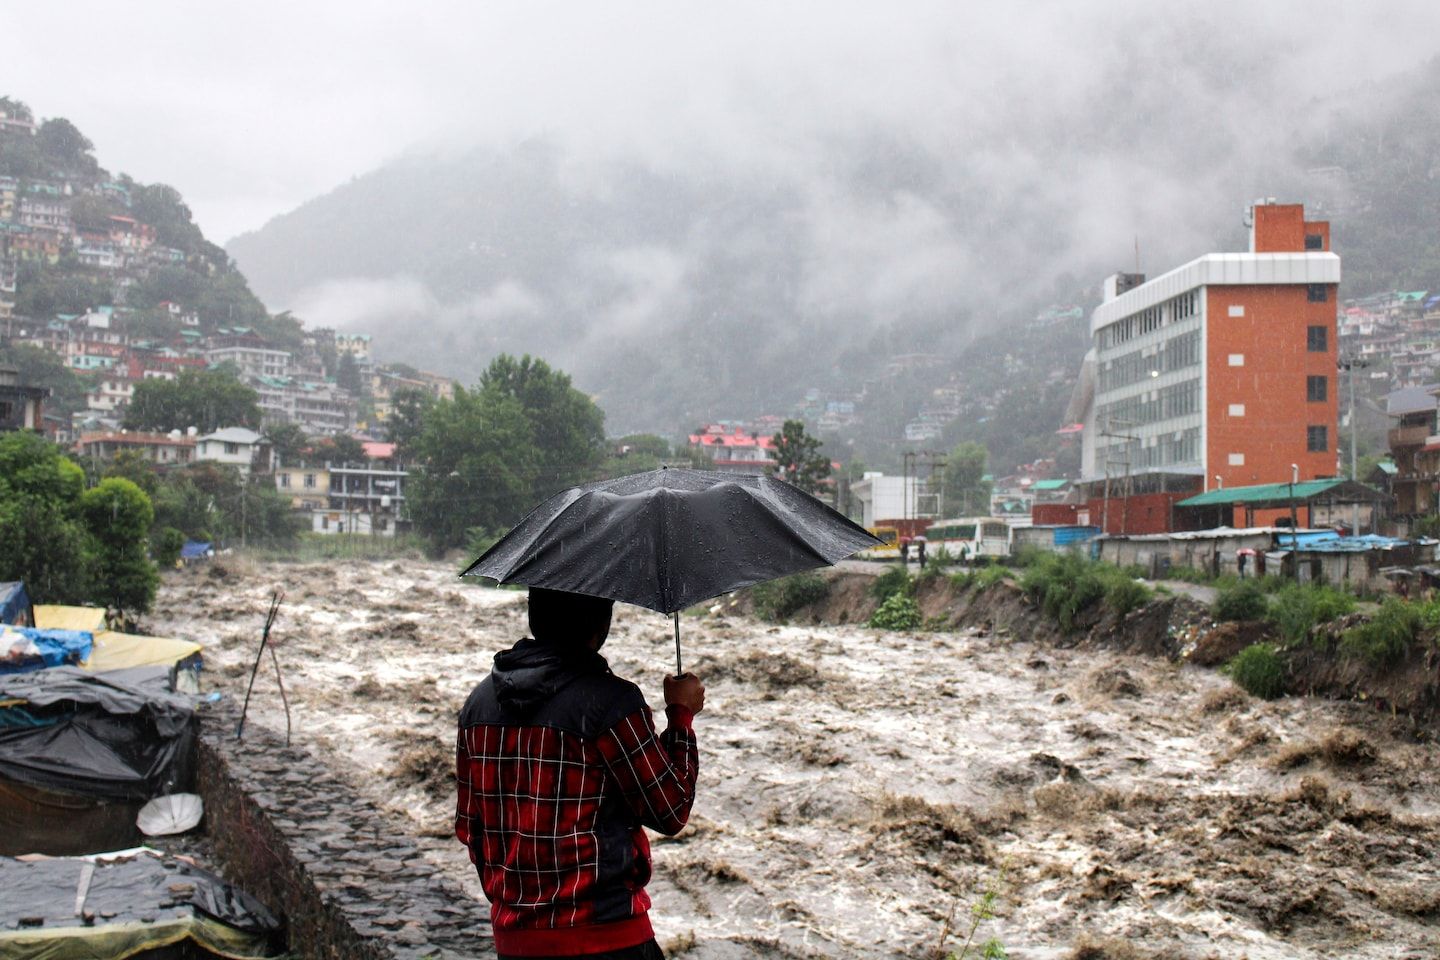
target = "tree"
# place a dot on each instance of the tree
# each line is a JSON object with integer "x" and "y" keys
{"x": 408, "y": 409}
{"x": 205, "y": 399}
{"x": 477, "y": 467}
{"x": 288, "y": 441}
{"x": 797, "y": 457}
{"x": 635, "y": 453}
{"x": 134, "y": 466}
{"x": 42, "y": 540}
{"x": 210, "y": 501}
{"x": 43, "y": 290}
{"x": 342, "y": 448}
{"x": 347, "y": 374}
{"x": 966, "y": 491}
{"x": 567, "y": 429}
{"x": 39, "y": 367}
{"x": 66, "y": 147}
{"x": 118, "y": 515}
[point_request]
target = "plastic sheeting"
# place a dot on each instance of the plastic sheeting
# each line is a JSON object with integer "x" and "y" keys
{"x": 195, "y": 550}
{"x": 140, "y": 903}
{"x": 116, "y": 737}
{"x": 15, "y": 604}
{"x": 24, "y": 649}
{"x": 121, "y": 651}
{"x": 54, "y": 616}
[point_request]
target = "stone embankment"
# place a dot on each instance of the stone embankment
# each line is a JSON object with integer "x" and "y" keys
{"x": 349, "y": 881}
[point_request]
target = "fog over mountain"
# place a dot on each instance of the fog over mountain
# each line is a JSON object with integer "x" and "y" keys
{"x": 792, "y": 214}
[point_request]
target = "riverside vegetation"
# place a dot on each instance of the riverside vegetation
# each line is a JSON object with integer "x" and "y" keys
{"x": 1293, "y": 629}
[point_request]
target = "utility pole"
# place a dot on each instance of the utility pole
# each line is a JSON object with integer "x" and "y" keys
{"x": 1105, "y": 510}
{"x": 1350, "y": 365}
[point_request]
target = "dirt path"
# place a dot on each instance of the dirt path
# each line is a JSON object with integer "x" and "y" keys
{"x": 858, "y": 785}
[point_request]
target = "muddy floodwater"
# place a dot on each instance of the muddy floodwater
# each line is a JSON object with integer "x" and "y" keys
{"x": 860, "y": 787}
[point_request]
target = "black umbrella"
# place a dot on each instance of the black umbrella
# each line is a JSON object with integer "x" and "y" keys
{"x": 669, "y": 539}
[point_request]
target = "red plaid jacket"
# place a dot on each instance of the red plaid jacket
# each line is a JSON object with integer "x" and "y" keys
{"x": 558, "y": 767}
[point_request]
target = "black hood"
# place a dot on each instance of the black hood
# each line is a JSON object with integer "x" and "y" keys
{"x": 531, "y": 673}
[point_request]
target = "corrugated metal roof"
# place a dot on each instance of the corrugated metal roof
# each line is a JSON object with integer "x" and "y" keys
{"x": 1411, "y": 400}
{"x": 1264, "y": 492}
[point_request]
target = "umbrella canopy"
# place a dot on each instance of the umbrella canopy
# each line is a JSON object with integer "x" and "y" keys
{"x": 669, "y": 539}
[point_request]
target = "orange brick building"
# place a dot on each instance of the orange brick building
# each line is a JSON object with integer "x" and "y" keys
{"x": 1222, "y": 371}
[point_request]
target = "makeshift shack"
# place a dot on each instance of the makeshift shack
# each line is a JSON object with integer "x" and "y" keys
{"x": 136, "y": 903}
{"x": 87, "y": 751}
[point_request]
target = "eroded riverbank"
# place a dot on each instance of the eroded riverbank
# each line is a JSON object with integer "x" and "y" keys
{"x": 856, "y": 785}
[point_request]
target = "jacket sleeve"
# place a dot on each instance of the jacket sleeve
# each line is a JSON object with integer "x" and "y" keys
{"x": 656, "y": 773}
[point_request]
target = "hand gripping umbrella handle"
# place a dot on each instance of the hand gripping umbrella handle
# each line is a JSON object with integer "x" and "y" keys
{"x": 678, "y": 670}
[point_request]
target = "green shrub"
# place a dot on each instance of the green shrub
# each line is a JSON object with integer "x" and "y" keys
{"x": 1125, "y": 594}
{"x": 1258, "y": 670}
{"x": 1240, "y": 600}
{"x": 165, "y": 546}
{"x": 1388, "y": 635}
{"x": 1298, "y": 608}
{"x": 963, "y": 579}
{"x": 898, "y": 612}
{"x": 779, "y": 599}
{"x": 991, "y": 575}
{"x": 892, "y": 581}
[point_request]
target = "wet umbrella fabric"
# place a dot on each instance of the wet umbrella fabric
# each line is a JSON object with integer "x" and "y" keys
{"x": 669, "y": 539}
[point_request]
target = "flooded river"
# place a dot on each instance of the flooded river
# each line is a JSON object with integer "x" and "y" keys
{"x": 859, "y": 789}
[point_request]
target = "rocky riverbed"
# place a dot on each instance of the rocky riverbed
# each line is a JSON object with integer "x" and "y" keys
{"x": 861, "y": 790}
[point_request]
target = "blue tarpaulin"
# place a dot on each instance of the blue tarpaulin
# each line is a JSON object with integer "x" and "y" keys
{"x": 23, "y": 649}
{"x": 194, "y": 550}
{"x": 15, "y": 604}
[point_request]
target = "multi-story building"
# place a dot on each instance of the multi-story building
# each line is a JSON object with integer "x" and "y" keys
{"x": 1223, "y": 370}
{"x": 238, "y": 447}
{"x": 307, "y": 486}
{"x": 320, "y": 408}
{"x": 160, "y": 448}
{"x": 1415, "y": 448}
{"x": 735, "y": 450}
{"x": 365, "y": 497}
{"x": 250, "y": 353}
{"x": 21, "y": 406}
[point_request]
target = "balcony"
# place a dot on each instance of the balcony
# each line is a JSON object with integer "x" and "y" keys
{"x": 1409, "y": 436}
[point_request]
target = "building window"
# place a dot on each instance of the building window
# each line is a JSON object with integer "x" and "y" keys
{"x": 1313, "y": 241}
{"x": 1237, "y": 460}
{"x": 1317, "y": 439}
{"x": 309, "y": 481}
{"x": 231, "y": 449}
{"x": 1317, "y": 389}
{"x": 1317, "y": 339}
{"x": 1317, "y": 293}
{"x": 285, "y": 481}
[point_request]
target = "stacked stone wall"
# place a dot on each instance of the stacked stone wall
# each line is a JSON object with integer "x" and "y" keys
{"x": 349, "y": 883}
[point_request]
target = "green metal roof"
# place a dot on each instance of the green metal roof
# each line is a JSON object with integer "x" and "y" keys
{"x": 1048, "y": 484}
{"x": 1268, "y": 493}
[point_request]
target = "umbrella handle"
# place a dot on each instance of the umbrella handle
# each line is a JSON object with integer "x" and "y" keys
{"x": 678, "y": 670}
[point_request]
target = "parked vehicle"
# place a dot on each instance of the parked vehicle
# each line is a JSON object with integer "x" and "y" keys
{"x": 972, "y": 539}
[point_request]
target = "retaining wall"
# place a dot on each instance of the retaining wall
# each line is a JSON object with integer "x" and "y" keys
{"x": 341, "y": 872}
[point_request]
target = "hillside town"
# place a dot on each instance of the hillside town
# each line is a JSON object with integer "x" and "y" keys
{"x": 603, "y": 486}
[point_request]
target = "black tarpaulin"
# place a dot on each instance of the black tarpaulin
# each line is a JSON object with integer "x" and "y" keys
{"x": 95, "y": 734}
{"x": 134, "y": 904}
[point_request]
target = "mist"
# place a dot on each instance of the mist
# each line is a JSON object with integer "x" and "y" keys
{"x": 600, "y": 184}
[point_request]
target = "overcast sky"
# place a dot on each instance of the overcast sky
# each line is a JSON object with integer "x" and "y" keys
{"x": 250, "y": 109}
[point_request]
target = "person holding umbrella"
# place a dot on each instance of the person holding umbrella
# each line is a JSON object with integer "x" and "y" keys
{"x": 558, "y": 764}
{"x": 558, "y": 769}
